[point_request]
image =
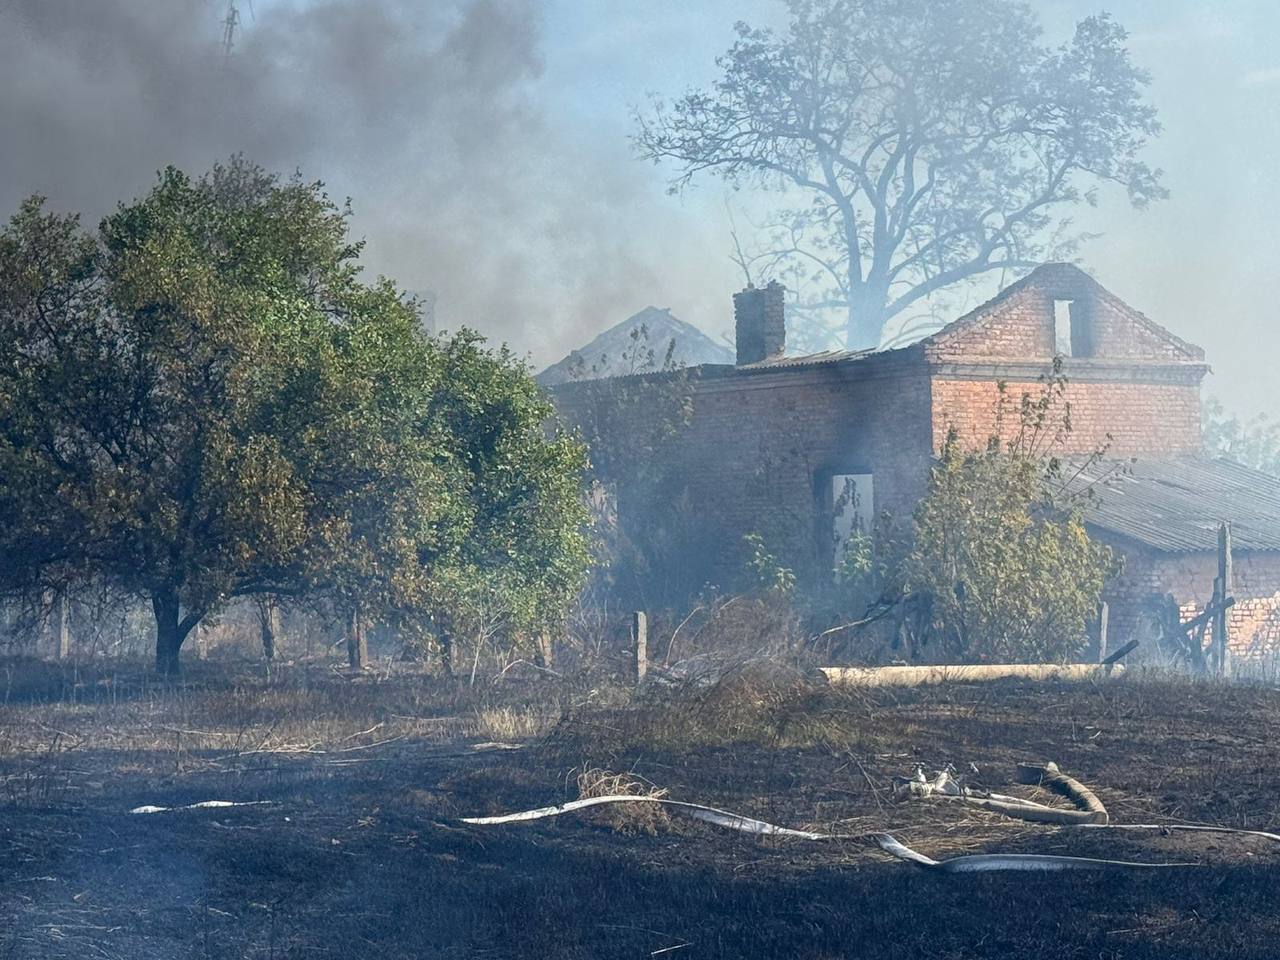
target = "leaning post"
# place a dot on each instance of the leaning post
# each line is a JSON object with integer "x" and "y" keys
{"x": 640, "y": 644}
{"x": 546, "y": 648}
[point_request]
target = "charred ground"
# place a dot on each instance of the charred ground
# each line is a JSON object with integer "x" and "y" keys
{"x": 359, "y": 851}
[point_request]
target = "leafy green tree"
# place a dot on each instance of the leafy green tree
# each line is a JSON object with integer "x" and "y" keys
{"x": 1000, "y": 566}
{"x": 931, "y": 141}
{"x": 1254, "y": 443}
{"x": 525, "y": 547}
{"x": 202, "y": 401}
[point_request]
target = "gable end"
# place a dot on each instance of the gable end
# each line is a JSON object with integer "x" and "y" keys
{"x": 1059, "y": 309}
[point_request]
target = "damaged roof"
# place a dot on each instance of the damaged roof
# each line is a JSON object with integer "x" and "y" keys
{"x": 820, "y": 359}
{"x": 652, "y": 330}
{"x": 1177, "y": 505}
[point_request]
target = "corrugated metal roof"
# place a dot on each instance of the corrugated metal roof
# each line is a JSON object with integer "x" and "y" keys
{"x": 822, "y": 358}
{"x": 1177, "y": 505}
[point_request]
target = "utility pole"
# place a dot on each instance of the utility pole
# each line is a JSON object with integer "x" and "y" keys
{"x": 229, "y": 24}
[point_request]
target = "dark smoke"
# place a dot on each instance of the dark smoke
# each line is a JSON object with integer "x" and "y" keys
{"x": 429, "y": 115}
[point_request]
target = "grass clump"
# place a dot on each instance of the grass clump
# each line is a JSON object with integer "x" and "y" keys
{"x": 629, "y": 818}
{"x": 764, "y": 702}
{"x": 508, "y": 723}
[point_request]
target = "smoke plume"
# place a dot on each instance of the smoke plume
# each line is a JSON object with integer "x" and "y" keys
{"x": 428, "y": 115}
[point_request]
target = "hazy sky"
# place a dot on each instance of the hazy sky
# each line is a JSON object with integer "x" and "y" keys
{"x": 1203, "y": 263}
{"x": 484, "y": 145}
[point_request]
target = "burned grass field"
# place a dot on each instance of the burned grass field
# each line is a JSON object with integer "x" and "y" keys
{"x": 350, "y": 842}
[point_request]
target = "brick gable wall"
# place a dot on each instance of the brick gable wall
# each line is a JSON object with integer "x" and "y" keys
{"x": 1130, "y": 379}
{"x": 1019, "y": 324}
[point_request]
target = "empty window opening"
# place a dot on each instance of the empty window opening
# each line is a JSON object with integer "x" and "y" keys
{"x": 1063, "y": 339}
{"x": 851, "y": 510}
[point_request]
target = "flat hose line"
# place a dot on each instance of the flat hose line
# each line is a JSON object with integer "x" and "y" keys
{"x": 973, "y": 863}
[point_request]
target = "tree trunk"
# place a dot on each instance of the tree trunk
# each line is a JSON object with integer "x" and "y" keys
{"x": 445, "y": 636}
{"x": 357, "y": 643}
{"x": 268, "y": 616}
{"x": 169, "y": 632}
{"x": 865, "y": 324}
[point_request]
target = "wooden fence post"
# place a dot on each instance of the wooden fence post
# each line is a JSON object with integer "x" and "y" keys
{"x": 1222, "y": 628}
{"x": 546, "y": 648}
{"x": 640, "y": 641}
{"x": 62, "y": 626}
{"x": 1104, "y": 612}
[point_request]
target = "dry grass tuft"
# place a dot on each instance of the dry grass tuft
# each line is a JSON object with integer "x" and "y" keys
{"x": 760, "y": 687}
{"x": 761, "y": 701}
{"x": 631, "y": 818}
{"x": 509, "y": 723}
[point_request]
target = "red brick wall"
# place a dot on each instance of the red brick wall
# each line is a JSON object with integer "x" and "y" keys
{"x": 758, "y": 439}
{"x": 1128, "y": 378}
{"x": 1254, "y": 625}
{"x": 1142, "y": 418}
{"x": 1019, "y": 324}
{"x": 755, "y": 447}
{"x": 756, "y": 443}
{"x": 1019, "y": 327}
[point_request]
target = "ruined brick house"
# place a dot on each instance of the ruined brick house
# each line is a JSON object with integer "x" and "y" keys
{"x": 772, "y": 438}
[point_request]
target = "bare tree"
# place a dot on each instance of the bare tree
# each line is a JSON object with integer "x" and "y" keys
{"x": 1254, "y": 442}
{"x": 934, "y": 141}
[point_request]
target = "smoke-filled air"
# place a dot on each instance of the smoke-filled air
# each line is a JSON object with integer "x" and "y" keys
{"x": 468, "y": 176}
{"x": 485, "y": 144}
{"x": 593, "y": 479}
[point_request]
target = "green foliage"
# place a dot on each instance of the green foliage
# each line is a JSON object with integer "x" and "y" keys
{"x": 1000, "y": 566}
{"x": 1254, "y": 443}
{"x": 923, "y": 144}
{"x": 766, "y": 572}
{"x": 632, "y": 421}
{"x": 202, "y": 401}
{"x": 523, "y": 548}
{"x": 856, "y": 560}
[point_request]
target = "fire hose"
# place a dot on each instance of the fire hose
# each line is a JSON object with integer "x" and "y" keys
{"x": 1090, "y": 814}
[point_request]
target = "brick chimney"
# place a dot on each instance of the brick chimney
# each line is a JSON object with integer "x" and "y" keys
{"x": 759, "y": 322}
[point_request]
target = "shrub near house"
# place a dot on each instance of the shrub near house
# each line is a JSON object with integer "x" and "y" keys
{"x": 1000, "y": 567}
